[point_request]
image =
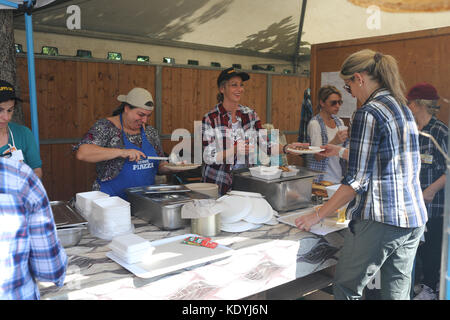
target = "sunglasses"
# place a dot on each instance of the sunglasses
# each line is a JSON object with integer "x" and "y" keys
{"x": 347, "y": 87}
{"x": 335, "y": 102}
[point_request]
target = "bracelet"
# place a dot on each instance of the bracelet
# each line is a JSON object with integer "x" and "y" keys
{"x": 284, "y": 148}
{"x": 317, "y": 213}
{"x": 341, "y": 152}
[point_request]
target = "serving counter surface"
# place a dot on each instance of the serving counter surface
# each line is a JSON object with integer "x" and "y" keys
{"x": 265, "y": 258}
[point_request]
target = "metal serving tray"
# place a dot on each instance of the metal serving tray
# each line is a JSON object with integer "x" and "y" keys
{"x": 159, "y": 189}
{"x": 69, "y": 223}
{"x": 65, "y": 216}
{"x": 163, "y": 209}
{"x": 283, "y": 194}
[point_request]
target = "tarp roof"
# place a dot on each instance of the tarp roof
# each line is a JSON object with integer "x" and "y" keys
{"x": 260, "y": 26}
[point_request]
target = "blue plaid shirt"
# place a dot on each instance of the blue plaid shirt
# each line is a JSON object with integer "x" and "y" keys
{"x": 433, "y": 163}
{"x": 29, "y": 248}
{"x": 384, "y": 164}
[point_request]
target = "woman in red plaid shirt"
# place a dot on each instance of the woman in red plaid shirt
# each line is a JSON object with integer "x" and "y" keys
{"x": 231, "y": 133}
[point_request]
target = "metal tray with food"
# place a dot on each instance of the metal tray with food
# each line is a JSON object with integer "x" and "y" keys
{"x": 65, "y": 216}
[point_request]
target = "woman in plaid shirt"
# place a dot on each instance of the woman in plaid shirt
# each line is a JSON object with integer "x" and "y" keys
{"x": 382, "y": 184}
{"x": 231, "y": 133}
{"x": 422, "y": 100}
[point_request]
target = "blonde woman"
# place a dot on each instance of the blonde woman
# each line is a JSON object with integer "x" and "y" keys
{"x": 382, "y": 184}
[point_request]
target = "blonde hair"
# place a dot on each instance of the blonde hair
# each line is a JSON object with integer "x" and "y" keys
{"x": 430, "y": 105}
{"x": 380, "y": 67}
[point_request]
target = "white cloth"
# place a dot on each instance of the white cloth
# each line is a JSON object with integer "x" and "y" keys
{"x": 334, "y": 170}
{"x": 201, "y": 208}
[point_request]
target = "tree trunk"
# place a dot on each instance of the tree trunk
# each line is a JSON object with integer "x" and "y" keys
{"x": 8, "y": 58}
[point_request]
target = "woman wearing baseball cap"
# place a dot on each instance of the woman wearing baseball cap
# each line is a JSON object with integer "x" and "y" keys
{"x": 16, "y": 141}
{"x": 423, "y": 102}
{"x": 230, "y": 132}
{"x": 119, "y": 146}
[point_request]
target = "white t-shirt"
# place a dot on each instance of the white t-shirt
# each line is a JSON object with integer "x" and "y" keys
{"x": 334, "y": 170}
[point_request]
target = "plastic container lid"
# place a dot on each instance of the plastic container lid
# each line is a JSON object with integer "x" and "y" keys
{"x": 111, "y": 202}
{"x": 130, "y": 243}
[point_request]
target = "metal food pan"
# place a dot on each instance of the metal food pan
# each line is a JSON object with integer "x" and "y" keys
{"x": 159, "y": 189}
{"x": 66, "y": 216}
{"x": 70, "y": 237}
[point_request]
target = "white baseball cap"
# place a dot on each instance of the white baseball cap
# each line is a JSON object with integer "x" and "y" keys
{"x": 138, "y": 97}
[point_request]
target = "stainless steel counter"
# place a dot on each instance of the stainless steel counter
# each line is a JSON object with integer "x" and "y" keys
{"x": 262, "y": 261}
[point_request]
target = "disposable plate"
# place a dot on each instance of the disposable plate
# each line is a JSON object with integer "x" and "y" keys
{"x": 310, "y": 150}
{"x": 261, "y": 211}
{"x": 236, "y": 208}
{"x": 239, "y": 226}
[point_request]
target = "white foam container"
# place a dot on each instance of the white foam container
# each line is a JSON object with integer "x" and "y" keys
{"x": 292, "y": 172}
{"x": 131, "y": 248}
{"x": 83, "y": 201}
{"x": 110, "y": 217}
{"x": 266, "y": 173}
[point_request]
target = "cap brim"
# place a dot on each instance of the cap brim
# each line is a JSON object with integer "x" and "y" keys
{"x": 122, "y": 98}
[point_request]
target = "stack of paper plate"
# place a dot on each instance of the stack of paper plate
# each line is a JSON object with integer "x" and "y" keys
{"x": 244, "y": 211}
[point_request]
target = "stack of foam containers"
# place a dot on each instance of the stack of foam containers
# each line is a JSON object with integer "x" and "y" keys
{"x": 83, "y": 202}
{"x": 110, "y": 217}
{"x": 131, "y": 248}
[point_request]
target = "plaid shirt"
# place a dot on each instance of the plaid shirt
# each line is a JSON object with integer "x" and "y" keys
{"x": 433, "y": 163}
{"x": 384, "y": 164}
{"x": 29, "y": 248}
{"x": 217, "y": 131}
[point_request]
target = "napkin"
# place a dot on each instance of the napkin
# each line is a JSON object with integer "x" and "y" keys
{"x": 201, "y": 208}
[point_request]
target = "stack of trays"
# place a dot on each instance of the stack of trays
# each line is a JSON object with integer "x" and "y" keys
{"x": 84, "y": 201}
{"x": 131, "y": 248}
{"x": 110, "y": 217}
{"x": 244, "y": 211}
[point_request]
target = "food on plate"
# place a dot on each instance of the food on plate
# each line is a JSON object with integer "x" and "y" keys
{"x": 299, "y": 148}
{"x": 319, "y": 188}
{"x": 285, "y": 169}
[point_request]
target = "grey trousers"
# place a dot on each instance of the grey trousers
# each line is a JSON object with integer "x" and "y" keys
{"x": 369, "y": 247}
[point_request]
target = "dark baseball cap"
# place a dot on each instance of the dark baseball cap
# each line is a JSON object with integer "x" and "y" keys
{"x": 7, "y": 92}
{"x": 424, "y": 91}
{"x": 229, "y": 73}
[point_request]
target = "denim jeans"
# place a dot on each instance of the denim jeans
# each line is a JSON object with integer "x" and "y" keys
{"x": 369, "y": 247}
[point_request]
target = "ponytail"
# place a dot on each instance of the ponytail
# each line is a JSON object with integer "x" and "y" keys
{"x": 380, "y": 67}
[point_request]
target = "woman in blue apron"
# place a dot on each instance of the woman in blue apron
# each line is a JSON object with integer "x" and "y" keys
{"x": 120, "y": 146}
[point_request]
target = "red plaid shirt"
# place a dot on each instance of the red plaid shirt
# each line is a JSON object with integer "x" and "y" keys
{"x": 216, "y": 130}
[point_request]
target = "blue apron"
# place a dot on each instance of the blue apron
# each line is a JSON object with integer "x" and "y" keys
{"x": 134, "y": 173}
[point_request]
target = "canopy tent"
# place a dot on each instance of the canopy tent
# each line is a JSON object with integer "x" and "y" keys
{"x": 267, "y": 27}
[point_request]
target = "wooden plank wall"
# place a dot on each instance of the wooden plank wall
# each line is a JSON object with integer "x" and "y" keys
{"x": 73, "y": 94}
{"x": 422, "y": 56}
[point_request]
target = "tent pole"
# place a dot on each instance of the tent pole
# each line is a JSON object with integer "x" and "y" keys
{"x": 31, "y": 72}
{"x": 299, "y": 37}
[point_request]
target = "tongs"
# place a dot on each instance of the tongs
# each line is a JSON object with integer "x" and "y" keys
{"x": 172, "y": 158}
